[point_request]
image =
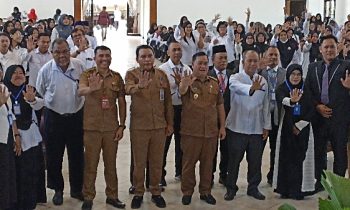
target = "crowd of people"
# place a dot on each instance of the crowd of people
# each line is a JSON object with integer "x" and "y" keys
{"x": 240, "y": 84}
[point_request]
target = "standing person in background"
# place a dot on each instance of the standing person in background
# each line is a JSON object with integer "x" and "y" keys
{"x": 16, "y": 14}
{"x": 32, "y": 15}
{"x": 57, "y": 15}
{"x": 63, "y": 29}
{"x": 103, "y": 21}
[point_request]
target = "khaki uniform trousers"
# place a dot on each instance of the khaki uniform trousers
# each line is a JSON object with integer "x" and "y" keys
{"x": 197, "y": 149}
{"x": 147, "y": 146}
{"x": 94, "y": 141}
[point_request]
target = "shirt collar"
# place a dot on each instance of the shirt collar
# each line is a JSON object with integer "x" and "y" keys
{"x": 38, "y": 52}
{"x": 218, "y": 72}
{"x": 274, "y": 69}
{"x": 246, "y": 75}
{"x": 172, "y": 65}
{"x": 8, "y": 53}
{"x": 55, "y": 67}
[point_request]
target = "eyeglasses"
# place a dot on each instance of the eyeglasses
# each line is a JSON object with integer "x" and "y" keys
{"x": 296, "y": 74}
{"x": 61, "y": 52}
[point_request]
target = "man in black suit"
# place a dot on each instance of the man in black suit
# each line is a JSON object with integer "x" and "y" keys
{"x": 329, "y": 83}
{"x": 274, "y": 76}
{"x": 223, "y": 74}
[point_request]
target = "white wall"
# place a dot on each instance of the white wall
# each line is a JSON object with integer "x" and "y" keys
{"x": 266, "y": 11}
{"x": 315, "y": 6}
{"x": 43, "y": 8}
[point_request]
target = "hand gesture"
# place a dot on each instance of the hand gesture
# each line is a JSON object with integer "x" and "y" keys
{"x": 176, "y": 76}
{"x": 216, "y": 41}
{"x": 169, "y": 130}
{"x": 95, "y": 82}
{"x": 296, "y": 131}
{"x": 346, "y": 81}
{"x": 265, "y": 134}
{"x": 222, "y": 133}
{"x": 17, "y": 146}
{"x": 295, "y": 95}
{"x": 4, "y": 95}
{"x": 30, "y": 43}
{"x": 229, "y": 21}
{"x": 83, "y": 45}
{"x": 182, "y": 32}
{"x": 144, "y": 79}
{"x": 257, "y": 84}
{"x": 238, "y": 38}
{"x": 325, "y": 111}
{"x": 216, "y": 17}
{"x": 187, "y": 80}
{"x": 119, "y": 134}
{"x": 248, "y": 12}
{"x": 29, "y": 93}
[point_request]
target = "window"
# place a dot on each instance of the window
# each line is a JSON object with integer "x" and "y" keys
{"x": 329, "y": 8}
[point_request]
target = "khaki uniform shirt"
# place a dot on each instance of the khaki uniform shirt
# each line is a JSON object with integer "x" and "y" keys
{"x": 151, "y": 107}
{"x": 200, "y": 108}
{"x": 96, "y": 118}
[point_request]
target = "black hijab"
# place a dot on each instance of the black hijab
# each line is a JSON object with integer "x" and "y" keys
{"x": 290, "y": 69}
{"x": 24, "y": 120}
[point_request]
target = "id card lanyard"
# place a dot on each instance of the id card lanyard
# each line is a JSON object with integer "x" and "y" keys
{"x": 297, "y": 106}
{"x": 16, "y": 105}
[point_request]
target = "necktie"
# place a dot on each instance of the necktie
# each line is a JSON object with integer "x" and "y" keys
{"x": 222, "y": 82}
{"x": 325, "y": 85}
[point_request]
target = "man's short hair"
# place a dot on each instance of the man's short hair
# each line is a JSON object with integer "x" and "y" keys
{"x": 75, "y": 30}
{"x": 323, "y": 38}
{"x": 144, "y": 46}
{"x": 59, "y": 41}
{"x": 246, "y": 52}
{"x": 198, "y": 54}
{"x": 102, "y": 47}
{"x": 44, "y": 34}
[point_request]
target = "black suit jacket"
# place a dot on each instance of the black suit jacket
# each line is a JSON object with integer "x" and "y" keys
{"x": 226, "y": 94}
{"x": 339, "y": 97}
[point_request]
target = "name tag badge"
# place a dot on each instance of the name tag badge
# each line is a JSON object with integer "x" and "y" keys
{"x": 161, "y": 94}
{"x": 296, "y": 110}
{"x": 105, "y": 103}
{"x": 10, "y": 119}
{"x": 17, "y": 108}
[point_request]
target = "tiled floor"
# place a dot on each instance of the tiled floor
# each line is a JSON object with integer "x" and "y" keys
{"x": 123, "y": 48}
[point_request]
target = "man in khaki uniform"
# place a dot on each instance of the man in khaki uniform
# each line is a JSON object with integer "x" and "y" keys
{"x": 151, "y": 121}
{"x": 202, "y": 107}
{"x": 102, "y": 88}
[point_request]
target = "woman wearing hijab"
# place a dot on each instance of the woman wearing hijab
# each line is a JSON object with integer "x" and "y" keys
{"x": 29, "y": 168}
{"x": 294, "y": 160}
{"x": 63, "y": 28}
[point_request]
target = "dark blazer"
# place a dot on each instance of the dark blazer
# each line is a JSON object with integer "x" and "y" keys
{"x": 226, "y": 95}
{"x": 339, "y": 97}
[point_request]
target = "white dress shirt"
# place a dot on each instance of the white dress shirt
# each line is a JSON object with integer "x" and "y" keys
{"x": 249, "y": 114}
{"x": 189, "y": 48}
{"x": 9, "y": 59}
{"x": 227, "y": 40}
{"x": 168, "y": 68}
{"x": 35, "y": 62}
{"x": 60, "y": 89}
{"x": 86, "y": 56}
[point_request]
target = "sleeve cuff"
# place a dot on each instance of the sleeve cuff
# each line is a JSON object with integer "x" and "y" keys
{"x": 286, "y": 102}
{"x": 301, "y": 124}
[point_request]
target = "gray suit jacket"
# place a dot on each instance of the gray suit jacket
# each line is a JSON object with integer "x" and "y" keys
{"x": 281, "y": 77}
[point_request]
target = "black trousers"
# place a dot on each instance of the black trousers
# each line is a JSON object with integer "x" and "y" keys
{"x": 64, "y": 131}
{"x": 223, "y": 158}
{"x": 272, "y": 141}
{"x": 327, "y": 130}
{"x": 239, "y": 144}
{"x": 177, "y": 136}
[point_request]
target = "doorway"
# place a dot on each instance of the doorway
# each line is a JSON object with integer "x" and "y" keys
{"x": 295, "y": 7}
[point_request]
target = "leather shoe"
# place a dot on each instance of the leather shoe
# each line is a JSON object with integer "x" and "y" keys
{"x": 57, "y": 199}
{"x": 256, "y": 195}
{"x": 136, "y": 202}
{"x": 159, "y": 201}
{"x": 186, "y": 199}
{"x": 132, "y": 190}
{"x": 208, "y": 198}
{"x": 87, "y": 205}
{"x": 230, "y": 195}
{"x": 116, "y": 203}
{"x": 77, "y": 195}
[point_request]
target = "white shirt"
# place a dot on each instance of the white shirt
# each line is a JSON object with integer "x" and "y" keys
{"x": 168, "y": 68}
{"x": 9, "y": 59}
{"x": 228, "y": 41}
{"x": 92, "y": 42}
{"x": 86, "y": 56}
{"x": 189, "y": 48}
{"x": 4, "y": 123}
{"x": 36, "y": 61}
{"x": 58, "y": 89}
{"x": 250, "y": 114}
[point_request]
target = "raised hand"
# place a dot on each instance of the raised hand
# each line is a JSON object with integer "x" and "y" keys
{"x": 229, "y": 21}
{"x": 346, "y": 82}
{"x": 4, "y": 95}
{"x": 257, "y": 84}
{"x": 187, "y": 80}
{"x": 216, "y": 17}
{"x": 295, "y": 95}
{"x": 83, "y": 44}
{"x": 95, "y": 82}
{"x": 29, "y": 93}
{"x": 248, "y": 12}
{"x": 176, "y": 76}
{"x": 30, "y": 43}
{"x": 144, "y": 79}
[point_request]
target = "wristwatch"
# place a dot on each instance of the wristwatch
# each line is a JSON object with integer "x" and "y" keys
{"x": 122, "y": 126}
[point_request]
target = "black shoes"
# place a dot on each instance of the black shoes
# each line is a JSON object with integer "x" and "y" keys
{"x": 57, "y": 199}
{"x": 136, "y": 202}
{"x": 132, "y": 190}
{"x": 186, "y": 199}
{"x": 222, "y": 180}
{"x": 77, "y": 195}
{"x": 256, "y": 195}
{"x": 208, "y": 198}
{"x": 159, "y": 201}
{"x": 230, "y": 195}
{"x": 163, "y": 183}
{"x": 87, "y": 205}
{"x": 116, "y": 203}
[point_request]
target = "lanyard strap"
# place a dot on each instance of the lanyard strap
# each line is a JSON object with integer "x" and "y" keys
{"x": 290, "y": 89}
{"x": 19, "y": 92}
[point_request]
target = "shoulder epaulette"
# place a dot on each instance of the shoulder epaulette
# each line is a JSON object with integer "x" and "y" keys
{"x": 213, "y": 78}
